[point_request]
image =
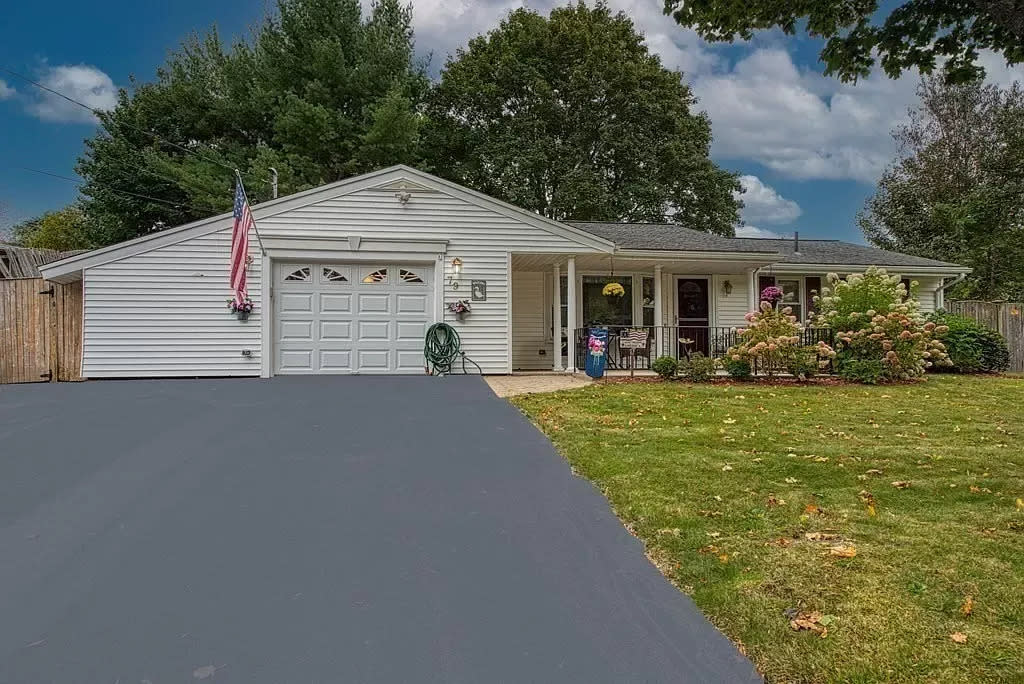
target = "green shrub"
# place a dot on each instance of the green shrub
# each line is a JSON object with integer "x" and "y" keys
{"x": 865, "y": 371}
{"x": 803, "y": 362}
{"x": 972, "y": 347}
{"x": 666, "y": 367}
{"x": 737, "y": 369}
{"x": 874, "y": 321}
{"x": 772, "y": 340}
{"x": 699, "y": 368}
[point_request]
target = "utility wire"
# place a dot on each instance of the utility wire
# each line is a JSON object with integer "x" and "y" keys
{"x": 78, "y": 181}
{"x": 97, "y": 112}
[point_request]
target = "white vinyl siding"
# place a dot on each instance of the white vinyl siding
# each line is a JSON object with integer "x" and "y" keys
{"x": 530, "y": 335}
{"x": 927, "y": 289}
{"x": 729, "y": 309}
{"x": 164, "y": 313}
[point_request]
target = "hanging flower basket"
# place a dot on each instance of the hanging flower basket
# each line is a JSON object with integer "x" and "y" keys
{"x": 613, "y": 290}
{"x": 241, "y": 310}
{"x": 460, "y": 308}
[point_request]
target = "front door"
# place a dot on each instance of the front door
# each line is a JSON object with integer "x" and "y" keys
{"x": 694, "y": 314}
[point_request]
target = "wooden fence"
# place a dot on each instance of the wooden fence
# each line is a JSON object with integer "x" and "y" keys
{"x": 40, "y": 331}
{"x": 1004, "y": 317}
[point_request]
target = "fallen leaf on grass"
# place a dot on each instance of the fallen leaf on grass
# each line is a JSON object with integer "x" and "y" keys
{"x": 811, "y": 509}
{"x": 726, "y": 468}
{"x": 775, "y": 501}
{"x": 729, "y": 421}
{"x": 958, "y": 637}
{"x": 812, "y": 622}
{"x": 1020, "y": 504}
{"x": 820, "y": 536}
{"x": 901, "y": 484}
{"x": 843, "y": 551}
{"x": 968, "y": 606}
{"x": 793, "y": 480}
{"x": 873, "y": 471}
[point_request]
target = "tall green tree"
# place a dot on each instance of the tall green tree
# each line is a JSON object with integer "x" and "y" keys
{"x": 917, "y": 34}
{"x": 571, "y": 116}
{"x": 63, "y": 230}
{"x": 956, "y": 192}
{"x": 318, "y": 91}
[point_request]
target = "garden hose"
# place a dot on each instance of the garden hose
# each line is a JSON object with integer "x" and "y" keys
{"x": 442, "y": 347}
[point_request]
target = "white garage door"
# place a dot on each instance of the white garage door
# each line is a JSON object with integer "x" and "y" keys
{"x": 351, "y": 318}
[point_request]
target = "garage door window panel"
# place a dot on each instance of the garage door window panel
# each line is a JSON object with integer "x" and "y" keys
{"x": 299, "y": 275}
{"x": 376, "y": 277}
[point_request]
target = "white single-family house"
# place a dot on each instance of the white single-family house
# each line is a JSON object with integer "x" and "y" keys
{"x": 346, "y": 278}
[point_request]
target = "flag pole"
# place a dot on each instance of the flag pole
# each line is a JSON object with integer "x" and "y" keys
{"x": 238, "y": 177}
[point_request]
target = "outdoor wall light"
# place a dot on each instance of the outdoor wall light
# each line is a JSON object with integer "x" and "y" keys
{"x": 727, "y": 287}
{"x": 403, "y": 197}
{"x": 453, "y": 282}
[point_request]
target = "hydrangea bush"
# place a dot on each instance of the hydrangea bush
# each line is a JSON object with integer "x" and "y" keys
{"x": 875, "y": 321}
{"x": 772, "y": 342}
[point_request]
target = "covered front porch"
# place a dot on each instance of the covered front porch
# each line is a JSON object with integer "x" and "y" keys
{"x": 684, "y": 304}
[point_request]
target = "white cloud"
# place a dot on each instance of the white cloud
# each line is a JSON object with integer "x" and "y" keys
{"x": 87, "y": 84}
{"x": 805, "y": 125}
{"x": 755, "y": 232}
{"x": 6, "y": 91}
{"x": 763, "y": 204}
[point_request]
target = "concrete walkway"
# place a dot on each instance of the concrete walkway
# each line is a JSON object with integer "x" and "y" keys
{"x": 530, "y": 383}
{"x": 318, "y": 529}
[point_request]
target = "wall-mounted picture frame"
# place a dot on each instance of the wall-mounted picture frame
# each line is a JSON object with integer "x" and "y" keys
{"x": 478, "y": 290}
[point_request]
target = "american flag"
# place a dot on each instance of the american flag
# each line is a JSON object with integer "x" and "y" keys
{"x": 240, "y": 243}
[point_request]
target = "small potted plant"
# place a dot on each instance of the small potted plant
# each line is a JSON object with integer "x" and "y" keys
{"x": 241, "y": 310}
{"x": 460, "y": 308}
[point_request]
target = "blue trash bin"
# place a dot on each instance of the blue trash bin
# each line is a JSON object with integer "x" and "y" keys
{"x": 597, "y": 352}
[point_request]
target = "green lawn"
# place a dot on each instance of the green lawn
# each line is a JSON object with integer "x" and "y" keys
{"x": 728, "y": 484}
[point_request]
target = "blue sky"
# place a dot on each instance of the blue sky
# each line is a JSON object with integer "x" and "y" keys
{"x": 809, "y": 148}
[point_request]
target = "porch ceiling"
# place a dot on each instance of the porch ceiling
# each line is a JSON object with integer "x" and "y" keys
{"x": 697, "y": 265}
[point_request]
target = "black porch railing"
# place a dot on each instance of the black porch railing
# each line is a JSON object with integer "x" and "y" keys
{"x": 677, "y": 341}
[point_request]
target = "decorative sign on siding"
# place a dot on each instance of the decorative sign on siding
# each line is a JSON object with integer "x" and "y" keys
{"x": 478, "y": 290}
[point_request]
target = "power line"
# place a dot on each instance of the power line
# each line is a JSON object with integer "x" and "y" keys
{"x": 78, "y": 181}
{"x": 97, "y": 112}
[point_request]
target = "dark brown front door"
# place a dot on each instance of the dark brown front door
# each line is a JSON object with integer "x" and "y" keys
{"x": 694, "y": 313}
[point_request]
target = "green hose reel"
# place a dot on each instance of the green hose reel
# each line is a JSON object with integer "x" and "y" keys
{"x": 441, "y": 349}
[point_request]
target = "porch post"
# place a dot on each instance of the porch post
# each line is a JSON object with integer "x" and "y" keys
{"x": 556, "y": 319}
{"x": 571, "y": 317}
{"x": 752, "y": 293}
{"x": 658, "y": 318}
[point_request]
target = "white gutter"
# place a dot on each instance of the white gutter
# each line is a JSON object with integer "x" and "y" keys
{"x": 950, "y": 270}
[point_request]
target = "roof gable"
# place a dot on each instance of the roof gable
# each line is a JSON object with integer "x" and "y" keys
{"x": 397, "y": 178}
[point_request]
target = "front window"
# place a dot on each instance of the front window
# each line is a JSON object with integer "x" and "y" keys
{"x": 599, "y": 309}
{"x": 791, "y": 296}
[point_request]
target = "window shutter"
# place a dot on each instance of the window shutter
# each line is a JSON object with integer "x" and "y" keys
{"x": 763, "y": 282}
{"x": 812, "y": 286}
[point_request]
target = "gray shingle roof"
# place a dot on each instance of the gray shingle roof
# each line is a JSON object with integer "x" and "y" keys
{"x": 667, "y": 236}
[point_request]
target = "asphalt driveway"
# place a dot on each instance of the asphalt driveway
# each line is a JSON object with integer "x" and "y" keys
{"x": 318, "y": 530}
